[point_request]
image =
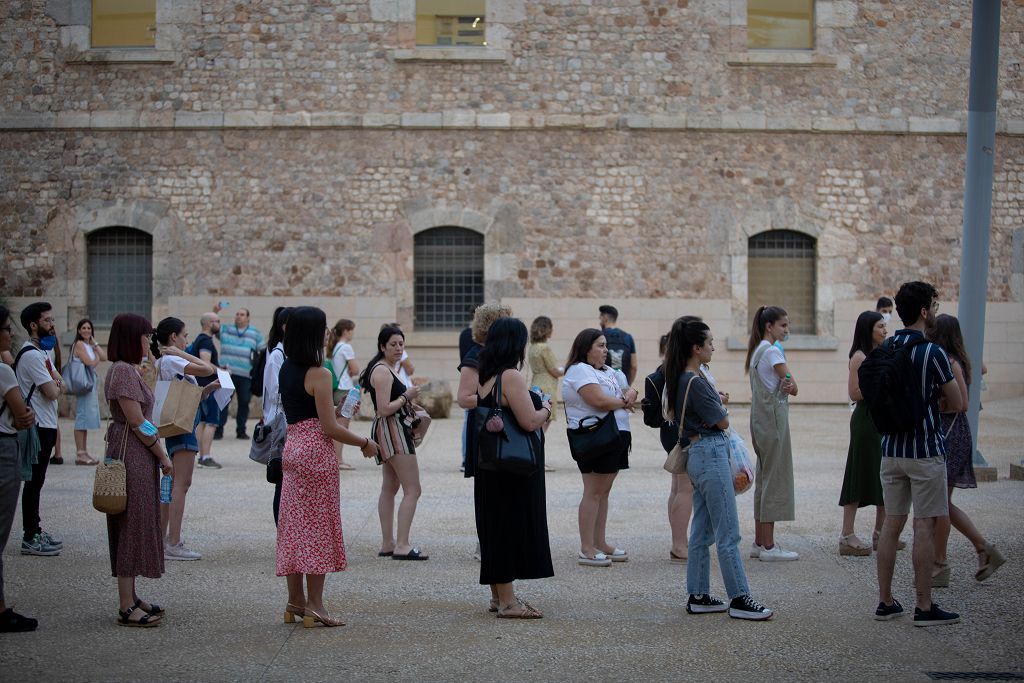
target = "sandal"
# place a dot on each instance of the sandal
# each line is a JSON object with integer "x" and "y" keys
{"x": 56, "y": 460}
{"x": 345, "y": 466}
{"x": 145, "y": 621}
{"x": 83, "y": 458}
{"x": 940, "y": 575}
{"x": 312, "y": 617}
{"x": 850, "y": 545}
{"x": 493, "y": 605}
{"x": 676, "y": 559}
{"x": 900, "y": 544}
{"x": 154, "y": 610}
{"x": 292, "y": 611}
{"x": 520, "y": 610}
{"x": 993, "y": 560}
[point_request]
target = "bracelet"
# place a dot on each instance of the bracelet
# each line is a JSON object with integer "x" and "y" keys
{"x": 152, "y": 443}
{"x": 404, "y": 398}
{"x": 365, "y": 443}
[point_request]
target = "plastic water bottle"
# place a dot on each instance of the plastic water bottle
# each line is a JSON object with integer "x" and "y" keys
{"x": 165, "y": 488}
{"x": 537, "y": 390}
{"x": 351, "y": 399}
{"x": 781, "y": 395}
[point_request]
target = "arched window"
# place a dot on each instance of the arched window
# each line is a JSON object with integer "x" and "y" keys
{"x": 449, "y": 267}
{"x": 120, "y": 273}
{"x": 781, "y": 271}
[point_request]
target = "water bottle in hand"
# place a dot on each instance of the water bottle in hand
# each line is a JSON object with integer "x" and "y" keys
{"x": 351, "y": 399}
{"x": 165, "y": 488}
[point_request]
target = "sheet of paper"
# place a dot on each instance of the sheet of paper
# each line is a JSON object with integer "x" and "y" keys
{"x": 159, "y": 395}
{"x": 227, "y": 388}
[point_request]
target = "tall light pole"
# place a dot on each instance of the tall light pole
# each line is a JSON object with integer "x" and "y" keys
{"x": 981, "y": 143}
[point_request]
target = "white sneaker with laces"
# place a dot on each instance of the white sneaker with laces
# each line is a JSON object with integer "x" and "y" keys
{"x": 178, "y": 551}
{"x": 755, "y": 551}
{"x": 777, "y": 554}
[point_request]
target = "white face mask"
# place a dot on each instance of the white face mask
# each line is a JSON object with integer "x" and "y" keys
{"x": 887, "y": 317}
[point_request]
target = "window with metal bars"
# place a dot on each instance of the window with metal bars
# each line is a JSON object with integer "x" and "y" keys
{"x": 120, "y": 273}
{"x": 449, "y": 277}
{"x": 781, "y": 271}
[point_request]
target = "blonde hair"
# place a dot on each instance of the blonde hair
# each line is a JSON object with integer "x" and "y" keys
{"x": 484, "y": 317}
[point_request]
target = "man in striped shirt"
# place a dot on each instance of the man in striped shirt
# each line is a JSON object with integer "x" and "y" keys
{"x": 238, "y": 344}
{"x": 914, "y": 463}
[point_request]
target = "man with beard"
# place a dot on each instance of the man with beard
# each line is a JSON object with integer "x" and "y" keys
{"x": 37, "y": 376}
{"x": 209, "y": 411}
{"x": 913, "y": 463}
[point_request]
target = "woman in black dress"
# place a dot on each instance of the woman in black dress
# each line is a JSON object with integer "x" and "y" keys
{"x": 511, "y": 513}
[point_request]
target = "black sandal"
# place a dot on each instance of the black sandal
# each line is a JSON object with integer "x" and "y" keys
{"x": 154, "y": 609}
{"x": 147, "y": 621}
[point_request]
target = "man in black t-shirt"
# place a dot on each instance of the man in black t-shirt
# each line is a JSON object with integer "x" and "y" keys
{"x": 209, "y": 412}
{"x": 621, "y": 348}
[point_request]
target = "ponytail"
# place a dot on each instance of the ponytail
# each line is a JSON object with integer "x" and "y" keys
{"x": 763, "y": 316}
{"x": 687, "y": 332}
{"x": 162, "y": 335}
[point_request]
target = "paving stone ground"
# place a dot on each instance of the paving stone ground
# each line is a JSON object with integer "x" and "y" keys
{"x": 428, "y": 621}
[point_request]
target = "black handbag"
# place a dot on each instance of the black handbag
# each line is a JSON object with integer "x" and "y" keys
{"x": 595, "y": 438}
{"x": 502, "y": 445}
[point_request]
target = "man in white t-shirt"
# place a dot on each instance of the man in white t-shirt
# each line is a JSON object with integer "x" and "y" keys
{"x": 37, "y": 376}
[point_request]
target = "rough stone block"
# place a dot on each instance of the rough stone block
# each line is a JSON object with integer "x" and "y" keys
{"x": 527, "y": 120}
{"x": 75, "y": 36}
{"x": 563, "y": 121}
{"x": 830, "y": 123}
{"x": 639, "y": 121}
{"x": 436, "y": 398}
{"x": 248, "y": 118}
{"x": 1017, "y": 472}
{"x": 381, "y": 120}
{"x": 743, "y": 120}
{"x": 198, "y": 119}
{"x": 59, "y": 11}
{"x": 295, "y": 119}
{"x": 835, "y": 13}
{"x": 458, "y": 118}
{"x": 668, "y": 121}
{"x": 336, "y": 119}
{"x": 72, "y": 119}
{"x": 179, "y": 11}
{"x": 919, "y": 124}
{"x": 986, "y": 474}
{"x": 27, "y": 120}
{"x": 114, "y": 119}
{"x": 156, "y": 119}
{"x": 502, "y": 120}
{"x": 393, "y": 10}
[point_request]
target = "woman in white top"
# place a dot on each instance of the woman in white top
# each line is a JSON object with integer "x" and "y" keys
{"x": 591, "y": 388}
{"x": 272, "y": 395}
{"x": 771, "y": 385}
{"x": 343, "y": 359}
{"x": 172, "y": 362}
{"x": 87, "y": 407}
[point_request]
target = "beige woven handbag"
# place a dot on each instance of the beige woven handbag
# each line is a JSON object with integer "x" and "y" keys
{"x": 109, "y": 491}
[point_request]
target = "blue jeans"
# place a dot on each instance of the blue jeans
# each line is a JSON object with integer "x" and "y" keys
{"x": 714, "y": 519}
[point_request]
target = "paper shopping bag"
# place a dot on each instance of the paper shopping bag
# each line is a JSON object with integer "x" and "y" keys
{"x": 175, "y": 409}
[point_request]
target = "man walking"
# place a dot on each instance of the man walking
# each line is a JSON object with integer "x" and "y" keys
{"x": 621, "y": 349}
{"x": 913, "y": 463}
{"x": 209, "y": 411}
{"x": 239, "y": 344}
{"x": 37, "y": 376}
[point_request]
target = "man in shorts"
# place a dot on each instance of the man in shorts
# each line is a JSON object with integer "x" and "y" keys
{"x": 913, "y": 470}
{"x": 209, "y": 411}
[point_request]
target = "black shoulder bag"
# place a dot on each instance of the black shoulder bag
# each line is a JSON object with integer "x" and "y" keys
{"x": 502, "y": 445}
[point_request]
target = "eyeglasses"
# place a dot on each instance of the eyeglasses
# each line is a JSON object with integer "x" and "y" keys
{"x": 7, "y": 329}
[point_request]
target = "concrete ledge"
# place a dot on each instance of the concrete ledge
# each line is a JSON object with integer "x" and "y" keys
{"x": 138, "y": 55}
{"x": 780, "y": 58}
{"x": 986, "y": 474}
{"x": 1016, "y": 472}
{"x": 430, "y": 53}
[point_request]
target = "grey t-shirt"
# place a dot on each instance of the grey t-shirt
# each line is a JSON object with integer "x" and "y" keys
{"x": 703, "y": 408}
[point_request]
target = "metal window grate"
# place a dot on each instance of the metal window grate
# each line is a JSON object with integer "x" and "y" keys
{"x": 120, "y": 273}
{"x": 781, "y": 271}
{"x": 449, "y": 267}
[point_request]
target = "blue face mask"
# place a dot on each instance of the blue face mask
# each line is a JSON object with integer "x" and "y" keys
{"x": 48, "y": 342}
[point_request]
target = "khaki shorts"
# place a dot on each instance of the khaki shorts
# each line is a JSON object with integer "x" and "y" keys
{"x": 918, "y": 480}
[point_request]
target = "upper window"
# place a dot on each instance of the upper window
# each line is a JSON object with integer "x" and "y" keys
{"x": 782, "y": 267}
{"x": 123, "y": 23}
{"x": 120, "y": 273}
{"x": 451, "y": 22}
{"x": 449, "y": 267}
{"x": 780, "y": 24}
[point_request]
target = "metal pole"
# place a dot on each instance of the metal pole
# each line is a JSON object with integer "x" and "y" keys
{"x": 981, "y": 142}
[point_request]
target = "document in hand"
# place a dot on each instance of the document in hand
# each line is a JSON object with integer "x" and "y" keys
{"x": 227, "y": 388}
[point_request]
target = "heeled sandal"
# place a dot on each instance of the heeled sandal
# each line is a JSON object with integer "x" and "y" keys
{"x": 154, "y": 609}
{"x": 900, "y": 544}
{"x": 940, "y": 575}
{"x": 312, "y": 617}
{"x": 293, "y": 613}
{"x": 993, "y": 561}
{"x": 146, "y": 621}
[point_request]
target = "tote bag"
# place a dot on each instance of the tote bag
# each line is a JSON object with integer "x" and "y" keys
{"x": 79, "y": 378}
{"x": 174, "y": 410}
{"x": 502, "y": 445}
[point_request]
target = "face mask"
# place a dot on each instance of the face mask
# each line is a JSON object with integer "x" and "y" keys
{"x": 887, "y": 317}
{"x": 48, "y": 342}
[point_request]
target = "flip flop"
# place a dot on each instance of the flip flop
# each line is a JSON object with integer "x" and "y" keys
{"x": 676, "y": 559}
{"x": 413, "y": 554}
{"x": 345, "y": 466}
{"x": 385, "y": 553}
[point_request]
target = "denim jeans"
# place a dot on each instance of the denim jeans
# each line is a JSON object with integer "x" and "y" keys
{"x": 243, "y": 392}
{"x": 10, "y": 487}
{"x": 714, "y": 519}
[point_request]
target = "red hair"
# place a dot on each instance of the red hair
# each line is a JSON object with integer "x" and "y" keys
{"x": 124, "y": 341}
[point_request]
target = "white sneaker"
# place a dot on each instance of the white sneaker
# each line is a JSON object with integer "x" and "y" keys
{"x": 180, "y": 552}
{"x": 755, "y": 551}
{"x": 777, "y": 554}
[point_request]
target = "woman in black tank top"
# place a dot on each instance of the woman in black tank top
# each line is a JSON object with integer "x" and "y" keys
{"x": 397, "y": 452}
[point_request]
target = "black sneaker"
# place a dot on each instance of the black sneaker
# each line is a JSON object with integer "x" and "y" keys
{"x": 886, "y": 612}
{"x": 241, "y": 435}
{"x": 209, "y": 462}
{"x": 218, "y": 434}
{"x": 704, "y": 604}
{"x": 745, "y": 607}
{"x": 12, "y": 622}
{"x": 934, "y": 616}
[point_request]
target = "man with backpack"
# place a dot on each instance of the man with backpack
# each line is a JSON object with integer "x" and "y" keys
{"x": 621, "y": 348}
{"x": 914, "y": 372}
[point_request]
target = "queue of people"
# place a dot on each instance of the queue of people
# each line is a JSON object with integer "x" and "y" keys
{"x": 892, "y": 471}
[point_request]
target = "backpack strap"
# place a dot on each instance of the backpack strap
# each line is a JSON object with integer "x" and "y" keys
{"x": 22, "y": 353}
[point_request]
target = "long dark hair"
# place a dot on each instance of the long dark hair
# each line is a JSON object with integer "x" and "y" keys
{"x": 78, "y": 329}
{"x": 123, "y": 343}
{"x": 686, "y": 333}
{"x": 505, "y": 347}
{"x": 276, "y": 334}
{"x": 946, "y": 334}
{"x": 864, "y": 332}
{"x": 162, "y": 337}
{"x": 385, "y": 334}
{"x": 763, "y": 316}
{"x": 582, "y": 344}
{"x": 304, "y": 337}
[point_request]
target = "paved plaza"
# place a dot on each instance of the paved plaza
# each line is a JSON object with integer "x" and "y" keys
{"x": 428, "y": 621}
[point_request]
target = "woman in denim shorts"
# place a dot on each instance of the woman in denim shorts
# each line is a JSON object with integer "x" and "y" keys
{"x": 172, "y": 362}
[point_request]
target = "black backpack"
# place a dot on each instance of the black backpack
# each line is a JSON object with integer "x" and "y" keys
{"x": 619, "y": 352}
{"x": 650, "y": 406}
{"x": 259, "y": 363}
{"x": 892, "y": 389}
